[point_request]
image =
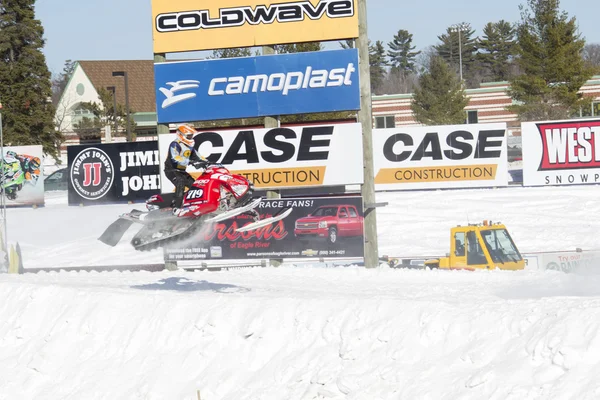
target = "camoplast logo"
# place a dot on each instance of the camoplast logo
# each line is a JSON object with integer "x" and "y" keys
{"x": 92, "y": 173}
{"x": 570, "y": 145}
{"x": 284, "y": 82}
{"x": 293, "y": 11}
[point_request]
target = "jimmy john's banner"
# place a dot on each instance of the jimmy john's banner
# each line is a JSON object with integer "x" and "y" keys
{"x": 561, "y": 152}
{"x": 105, "y": 173}
{"x": 432, "y": 157}
{"x": 191, "y": 25}
{"x": 317, "y": 227}
{"x": 22, "y": 175}
{"x": 278, "y": 158}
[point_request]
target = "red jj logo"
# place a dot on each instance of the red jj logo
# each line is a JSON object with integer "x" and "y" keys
{"x": 92, "y": 170}
{"x": 92, "y": 174}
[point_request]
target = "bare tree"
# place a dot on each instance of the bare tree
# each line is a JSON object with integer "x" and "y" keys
{"x": 591, "y": 54}
{"x": 398, "y": 82}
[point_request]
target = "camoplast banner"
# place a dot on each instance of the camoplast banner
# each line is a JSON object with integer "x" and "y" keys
{"x": 257, "y": 86}
{"x": 191, "y": 25}
{"x": 317, "y": 227}
{"x": 561, "y": 152}
{"x": 432, "y": 157}
{"x": 104, "y": 173}
{"x": 23, "y": 175}
{"x": 291, "y": 157}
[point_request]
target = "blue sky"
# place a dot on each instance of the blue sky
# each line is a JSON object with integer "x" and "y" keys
{"x": 122, "y": 29}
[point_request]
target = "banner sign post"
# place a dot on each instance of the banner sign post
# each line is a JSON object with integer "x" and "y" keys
{"x": 247, "y": 87}
{"x": 23, "y": 177}
{"x": 322, "y": 155}
{"x": 191, "y": 25}
{"x": 105, "y": 173}
{"x": 561, "y": 152}
{"x": 317, "y": 227}
{"x": 434, "y": 157}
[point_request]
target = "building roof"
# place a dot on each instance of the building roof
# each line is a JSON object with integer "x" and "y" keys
{"x": 140, "y": 76}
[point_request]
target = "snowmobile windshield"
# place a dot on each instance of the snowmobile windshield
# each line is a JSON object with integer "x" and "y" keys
{"x": 500, "y": 246}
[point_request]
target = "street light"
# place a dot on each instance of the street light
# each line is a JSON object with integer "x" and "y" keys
{"x": 124, "y": 74}
{"x": 459, "y": 28}
{"x": 113, "y": 89}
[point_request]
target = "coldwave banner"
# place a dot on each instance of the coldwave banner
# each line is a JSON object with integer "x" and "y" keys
{"x": 113, "y": 172}
{"x": 561, "y": 152}
{"x": 433, "y": 157}
{"x": 188, "y": 25}
{"x": 22, "y": 175}
{"x": 326, "y": 155}
{"x": 317, "y": 227}
{"x": 257, "y": 86}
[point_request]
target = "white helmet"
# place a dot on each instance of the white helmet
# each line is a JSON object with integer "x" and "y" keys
{"x": 185, "y": 134}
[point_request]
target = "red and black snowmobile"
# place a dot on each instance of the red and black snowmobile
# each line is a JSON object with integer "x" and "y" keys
{"x": 215, "y": 196}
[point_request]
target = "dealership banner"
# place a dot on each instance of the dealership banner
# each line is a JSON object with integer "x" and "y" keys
{"x": 434, "y": 157}
{"x": 278, "y": 158}
{"x": 561, "y": 152}
{"x": 317, "y": 227}
{"x": 247, "y": 87}
{"x": 192, "y": 25}
{"x": 23, "y": 175}
{"x": 105, "y": 173}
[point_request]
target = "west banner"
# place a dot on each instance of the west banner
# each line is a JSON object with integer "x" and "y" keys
{"x": 191, "y": 25}
{"x": 106, "y": 173}
{"x": 23, "y": 175}
{"x": 257, "y": 86}
{"x": 322, "y": 155}
{"x": 433, "y": 157}
{"x": 317, "y": 227}
{"x": 561, "y": 152}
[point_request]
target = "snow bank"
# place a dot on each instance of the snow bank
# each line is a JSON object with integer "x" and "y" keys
{"x": 300, "y": 333}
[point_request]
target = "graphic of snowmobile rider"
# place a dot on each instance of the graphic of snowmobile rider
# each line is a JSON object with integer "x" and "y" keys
{"x": 30, "y": 166}
{"x": 181, "y": 154}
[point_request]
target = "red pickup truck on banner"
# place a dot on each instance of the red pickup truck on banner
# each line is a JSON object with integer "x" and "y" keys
{"x": 330, "y": 223}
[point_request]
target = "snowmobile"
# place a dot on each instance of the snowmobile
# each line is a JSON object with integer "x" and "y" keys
{"x": 216, "y": 195}
{"x": 12, "y": 177}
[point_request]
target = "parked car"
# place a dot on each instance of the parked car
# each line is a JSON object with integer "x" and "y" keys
{"x": 330, "y": 223}
{"x": 58, "y": 180}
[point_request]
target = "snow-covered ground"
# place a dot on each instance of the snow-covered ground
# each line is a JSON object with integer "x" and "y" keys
{"x": 308, "y": 332}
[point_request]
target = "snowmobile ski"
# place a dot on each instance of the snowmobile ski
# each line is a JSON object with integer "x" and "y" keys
{"x": 267, "y": 221}
{"x": 235, "y": 212}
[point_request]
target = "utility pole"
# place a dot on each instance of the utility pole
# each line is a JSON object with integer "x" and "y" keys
{"x": 272, "y": 122}
{"x": 365, "y": 117}
{"x": 161, "y": 128}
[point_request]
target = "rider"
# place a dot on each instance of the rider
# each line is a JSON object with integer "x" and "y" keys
{"x": 29, "y": 164}
{"x": 181, "y": 154}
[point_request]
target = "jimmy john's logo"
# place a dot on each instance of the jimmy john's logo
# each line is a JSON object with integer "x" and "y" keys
{"x": 92, "y": 174}
{"x": 570, "y": 145}
{"x": 294, "y": 11}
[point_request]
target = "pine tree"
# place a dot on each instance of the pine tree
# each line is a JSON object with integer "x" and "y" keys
{"x": 377, "y": 63}
{"x": 401, "y": 54}
{"x": 550, "y": 57}
{"x": 232, "y": 53}
{"x": 347, "y": 44}
{"x": 298, "y": 47}
{"x": 440, "y": 98}
{"x": 449, "y": 50}
{"x": 25, "y": 87}
{"x": 497, "y": 50}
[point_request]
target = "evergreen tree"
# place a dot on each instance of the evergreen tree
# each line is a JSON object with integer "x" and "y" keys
{"x": 440, "y": 98}
{"x": 497, "y": 49}
{"x": 25, "y": 87}
{"x": 550, "y": 57}
{"x": 298, "y": 47}
{"x": 401, "y": 54}
{"x": 232, "y": 53}
{"x": 377, "y": 63}
{"x": 449, "y": 50}
{"x": 347, "y": 44}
